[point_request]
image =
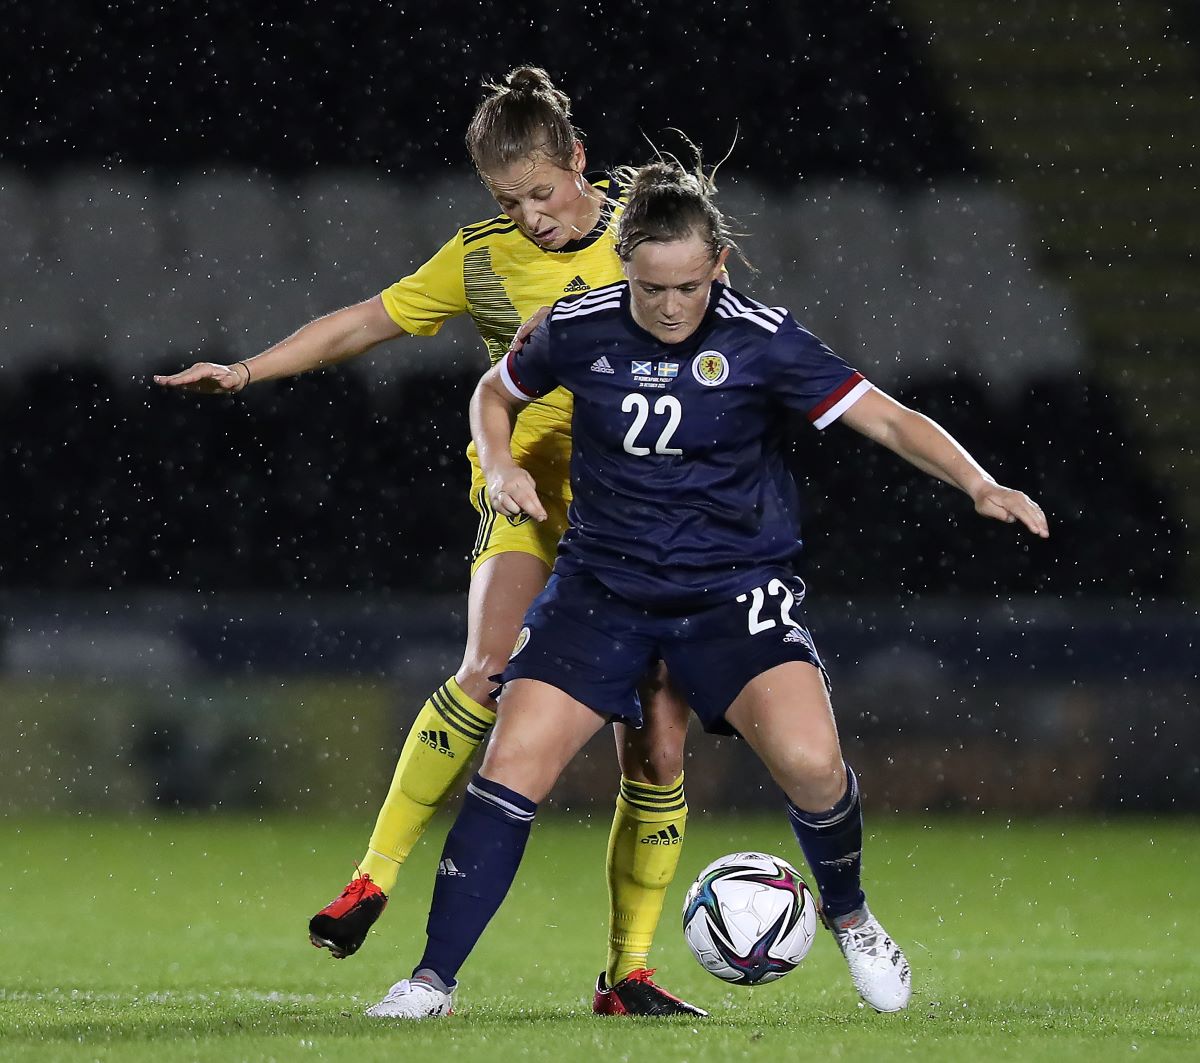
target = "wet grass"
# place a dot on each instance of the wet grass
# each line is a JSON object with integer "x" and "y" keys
{"x": 184, "y": 939}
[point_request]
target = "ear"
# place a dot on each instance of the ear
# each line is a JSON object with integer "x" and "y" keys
{"x": 578, "y": 158}
{"x": 719, "y": 270}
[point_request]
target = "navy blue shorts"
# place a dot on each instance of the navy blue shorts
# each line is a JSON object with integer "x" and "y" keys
{"x": 581, "y": 638}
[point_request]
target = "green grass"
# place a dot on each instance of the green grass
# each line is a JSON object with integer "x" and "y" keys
{"x": 184, "y": 939}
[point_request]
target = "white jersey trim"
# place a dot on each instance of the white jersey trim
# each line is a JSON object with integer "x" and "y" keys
{"x": 510, "y": 382}
{"x": 570, "y": 307}
{"x": 843, "y": 404}
{"x": 765, "y": 317}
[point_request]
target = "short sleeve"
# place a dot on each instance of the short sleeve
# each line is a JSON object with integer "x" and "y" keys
{"x": 810, "y": 378}
{"x": 423, "y": 301}
{"x": 528, "y": 373}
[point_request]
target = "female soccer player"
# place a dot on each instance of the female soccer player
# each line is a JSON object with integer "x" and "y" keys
{"x": 682, "y": 539}
{"x": 555, "y": 236}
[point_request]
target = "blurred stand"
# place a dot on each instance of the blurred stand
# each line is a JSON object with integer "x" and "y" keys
{"x": 210, "y": 703}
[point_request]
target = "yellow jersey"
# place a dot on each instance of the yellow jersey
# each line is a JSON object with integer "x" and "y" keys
{"x": 495, "y": 273}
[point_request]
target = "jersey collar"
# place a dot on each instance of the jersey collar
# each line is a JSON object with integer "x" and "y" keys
{"x": 611, "y": 188}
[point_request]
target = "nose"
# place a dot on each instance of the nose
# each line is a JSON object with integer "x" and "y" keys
{"x": 671, "y": 306}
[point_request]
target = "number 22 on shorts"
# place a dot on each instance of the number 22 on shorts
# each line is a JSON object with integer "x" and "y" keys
{"x": 758, "y": 600}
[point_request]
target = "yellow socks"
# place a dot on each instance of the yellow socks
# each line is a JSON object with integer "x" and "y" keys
{"x": 446, "y": 732}
{"x": 643, "y": 852}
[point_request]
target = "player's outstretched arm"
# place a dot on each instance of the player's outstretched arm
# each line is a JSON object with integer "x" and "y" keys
{"x": 494, "y": 410}
{"x": 323, "y": 342}
{"x": 928, "y": 446}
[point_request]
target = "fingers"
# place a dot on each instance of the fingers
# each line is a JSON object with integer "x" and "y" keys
{"x": 515, "y": 502}
{"x": 526, "y": 329}
{"x": 1012, "y": 507}
{"x": 205, "y": 377}
{"x": 515, "y": 493}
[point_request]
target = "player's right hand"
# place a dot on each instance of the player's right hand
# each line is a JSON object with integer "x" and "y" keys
{"x": 512, "y": 492}
{"x": 207, "y": 378}
{"x": 526, "y": 329}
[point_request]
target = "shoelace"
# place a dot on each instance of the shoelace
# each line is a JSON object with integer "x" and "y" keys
{"x": 356, "y": 886}
{"x": 867, "y": 938}
{"x": 405, "y": 987}
{"x": 642, "y": 974}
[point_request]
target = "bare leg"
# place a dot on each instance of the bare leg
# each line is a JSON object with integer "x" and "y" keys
{"x": 785, "y": 716}
{"x": 502, "y": 589}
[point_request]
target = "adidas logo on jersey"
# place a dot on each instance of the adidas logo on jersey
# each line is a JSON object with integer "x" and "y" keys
{"x": 600, "y": 365}
{"x": 794, "y": 634}
{"x": 577, "y": 285}
{"x": 667, "y": 836}
{"x": 438, "y": 740}
{"x": 446, "y": 867}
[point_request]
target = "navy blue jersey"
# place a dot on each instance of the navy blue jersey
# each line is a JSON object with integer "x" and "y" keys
{"x": 681, "y": 492}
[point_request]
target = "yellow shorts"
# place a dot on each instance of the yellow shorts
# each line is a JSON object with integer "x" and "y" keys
{"x": 541, "y": 444}
{"x": 501, "y": 534}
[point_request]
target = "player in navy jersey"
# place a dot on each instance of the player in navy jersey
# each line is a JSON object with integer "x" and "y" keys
{"x": 681, "y": 545}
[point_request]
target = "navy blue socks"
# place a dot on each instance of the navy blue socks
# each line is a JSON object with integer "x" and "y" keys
{"x": 832, "y": 844}
{"x": 479, "y": 862}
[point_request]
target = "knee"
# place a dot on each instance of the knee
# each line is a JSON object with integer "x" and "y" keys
{"x": 477, "y": 674}
{"x": 814, "y": 780}
{"x": 654, "y": 758}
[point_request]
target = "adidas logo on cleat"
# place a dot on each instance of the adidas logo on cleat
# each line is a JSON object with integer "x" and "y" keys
{"x": 577, "y": 285}
{"x": 667, "y": 836}
{"x": 600, "y": 365}
{"x": 438, "y": 740}
{"x": 446, "y": 867}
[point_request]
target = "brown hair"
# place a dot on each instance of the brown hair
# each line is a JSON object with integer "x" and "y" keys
{"x": 667, "y": 203}
{"x": 524, "y": 116}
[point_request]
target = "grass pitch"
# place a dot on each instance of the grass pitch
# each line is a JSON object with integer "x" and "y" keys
{"x": 185, "y": 939}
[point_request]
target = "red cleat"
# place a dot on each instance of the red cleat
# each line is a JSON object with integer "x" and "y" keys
{"x": 636, "y": 994}
{"x": 342, "y": 925}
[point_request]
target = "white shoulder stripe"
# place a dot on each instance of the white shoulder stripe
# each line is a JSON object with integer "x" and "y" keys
{"x": 587, "y": 297}
{"x": 583, "y": 309}
{"x": 761, "y": 322}
{"x": 748, "y": 305}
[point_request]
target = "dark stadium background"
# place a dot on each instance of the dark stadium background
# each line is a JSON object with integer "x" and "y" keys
{"x": 218, "y": 605}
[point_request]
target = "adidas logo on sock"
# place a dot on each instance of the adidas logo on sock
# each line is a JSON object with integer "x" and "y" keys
{"x": 667, "y": 836}
{"x": 446, "y": 867}
{"x": 438, "y": 740}
{"x": 600, "y": 365}
{"x": 578, "y": 285}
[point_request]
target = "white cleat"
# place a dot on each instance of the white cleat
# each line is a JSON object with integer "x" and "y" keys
{"x": 413, "y": 1000}
{"x": 877, "y": 966}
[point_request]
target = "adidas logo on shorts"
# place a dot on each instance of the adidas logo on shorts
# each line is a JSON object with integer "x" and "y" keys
{"x": 794, "y": 634}
{"x": 667, "y": 836}
{"x": 577, "y": 285}
{"x": 438, "y": 740}
{"x": 600, "y": 365}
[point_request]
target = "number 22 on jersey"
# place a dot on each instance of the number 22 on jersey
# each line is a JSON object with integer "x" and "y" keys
{"x": 665, "y": 406}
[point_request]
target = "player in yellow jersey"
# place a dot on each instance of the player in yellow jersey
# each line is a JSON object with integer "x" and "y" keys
{"x": 555, "y": 236}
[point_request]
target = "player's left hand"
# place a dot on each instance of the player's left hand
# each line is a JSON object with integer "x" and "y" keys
{"x": 1003, "y": 503}
{"x": 526, "y": 329}
{"x": 512, "y": 492}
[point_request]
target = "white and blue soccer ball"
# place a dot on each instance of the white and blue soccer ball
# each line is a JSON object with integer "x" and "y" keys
{"x": 749, "y": 918}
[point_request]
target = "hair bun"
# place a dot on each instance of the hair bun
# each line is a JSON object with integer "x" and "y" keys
{"x": 533, "y": 81}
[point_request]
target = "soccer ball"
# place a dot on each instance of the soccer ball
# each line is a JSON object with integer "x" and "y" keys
{"x": 749, "y": 918}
